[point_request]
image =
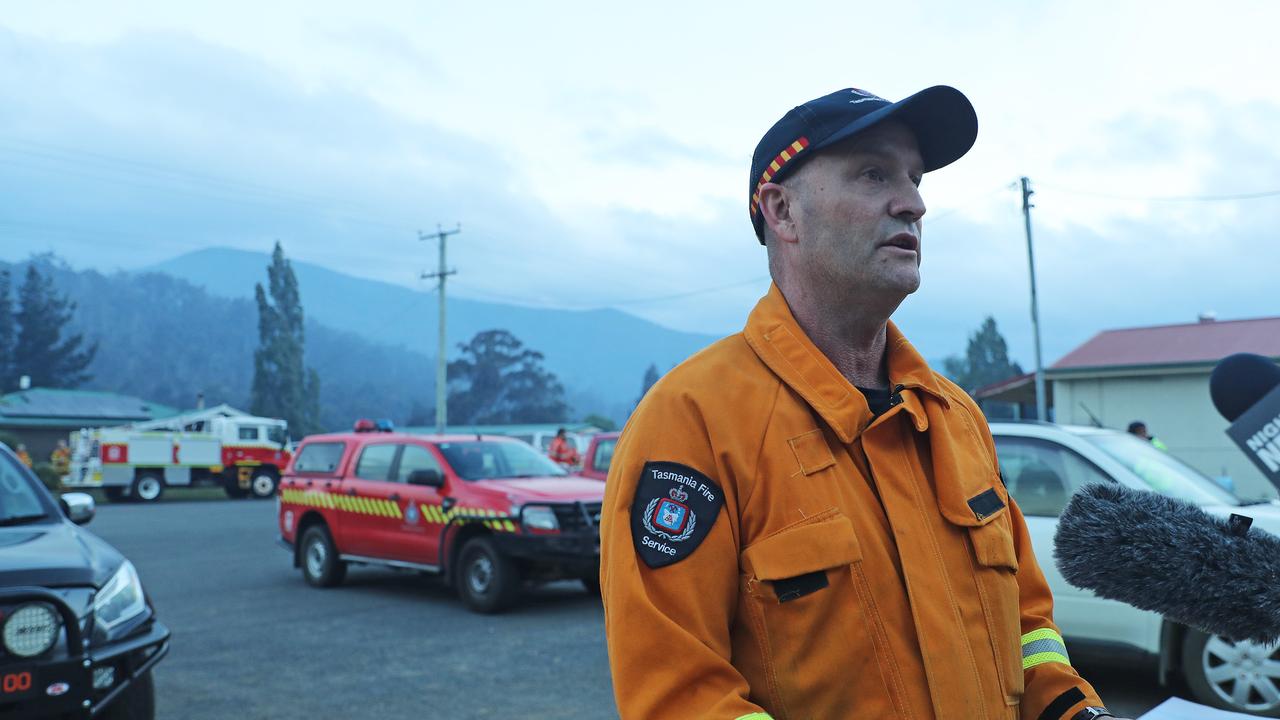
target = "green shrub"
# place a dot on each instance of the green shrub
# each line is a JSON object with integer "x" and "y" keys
{"x": 48, "y": 476}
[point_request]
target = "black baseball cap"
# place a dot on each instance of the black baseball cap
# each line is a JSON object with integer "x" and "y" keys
{"x": 941, "y": 117}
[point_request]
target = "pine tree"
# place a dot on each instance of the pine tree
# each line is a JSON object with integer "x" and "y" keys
{"x": 7, "y": 333}
{"x": 650, "y": 377}
{"x": 39, "y": 350}
{"x": 281, "y": 386}
{"x": 986, "y": 359}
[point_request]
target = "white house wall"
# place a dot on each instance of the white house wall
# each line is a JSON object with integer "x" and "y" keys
{"x": 1176, "y": 408}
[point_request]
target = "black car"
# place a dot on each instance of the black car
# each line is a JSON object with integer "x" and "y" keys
{"x": 78, "y": 636}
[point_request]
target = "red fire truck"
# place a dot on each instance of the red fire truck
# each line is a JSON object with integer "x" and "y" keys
{"x": 220, "y": 446}
{"x": 488, "y": 513}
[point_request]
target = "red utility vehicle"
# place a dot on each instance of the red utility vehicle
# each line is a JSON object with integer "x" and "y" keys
{"x": 486, "y": 512}
{"x": 595, "y": 461}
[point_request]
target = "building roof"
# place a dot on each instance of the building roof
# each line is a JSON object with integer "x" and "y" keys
{"x": 1186, "y": 344}
{"x": 521, "y": 429}
{"x": 50, "y": 407}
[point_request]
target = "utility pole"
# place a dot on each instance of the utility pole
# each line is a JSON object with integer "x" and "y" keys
{"x": 442, "y": 381}
{"x": 1042, "y": 412}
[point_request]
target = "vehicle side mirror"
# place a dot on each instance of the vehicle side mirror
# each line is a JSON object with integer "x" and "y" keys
{"x": 78, "y": 507}
{"x": 430, "y": 478}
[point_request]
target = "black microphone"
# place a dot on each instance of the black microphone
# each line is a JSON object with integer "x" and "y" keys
{"x": 1239, "y": 381}
{"x": 1246, "y": 390}
{"x": 1168, "y": 556}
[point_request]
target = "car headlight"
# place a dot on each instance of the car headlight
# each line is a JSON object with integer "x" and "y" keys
{"x": 120, "y": 599}
{"x": 539, "y": 517}
{"x": 31, "y": 630}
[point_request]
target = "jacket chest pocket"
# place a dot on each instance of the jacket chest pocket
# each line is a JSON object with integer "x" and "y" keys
{"x": 986, "y": 520}
{"x": 806, "y": 602}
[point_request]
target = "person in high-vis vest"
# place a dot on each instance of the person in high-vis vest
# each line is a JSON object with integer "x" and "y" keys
{"x": 60, "y": 458}
{"x": 561, "y": 451}
{"x": 805, "y": 521}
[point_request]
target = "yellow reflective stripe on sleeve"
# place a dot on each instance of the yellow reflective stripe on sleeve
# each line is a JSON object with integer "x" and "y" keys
{"x": 755, "y": 716}
{"x": 1043, "y": 646}
{"x": 1030, "y": 661}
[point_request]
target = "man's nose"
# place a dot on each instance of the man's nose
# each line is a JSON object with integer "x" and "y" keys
{"x": 908, "y": 203}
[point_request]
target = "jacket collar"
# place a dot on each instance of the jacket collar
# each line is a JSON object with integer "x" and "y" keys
{"x": 776, "y": 337}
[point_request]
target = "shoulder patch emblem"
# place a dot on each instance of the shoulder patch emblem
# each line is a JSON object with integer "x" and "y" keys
{"x": 673, "y": 511}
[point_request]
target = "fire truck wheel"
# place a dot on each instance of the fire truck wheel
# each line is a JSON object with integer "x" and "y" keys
{"x": 234, "y": 491}
{"x": 488, "y": 581}
{"x": 147, "y": 488}
{"x": 263, "y": 484}
{"x": 320, "y": 563}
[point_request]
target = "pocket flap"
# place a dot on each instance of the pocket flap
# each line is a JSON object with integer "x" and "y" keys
{"x": 804, "y": 549}
{"x": 993, "y": 546}
{"x": 972, "y": 504}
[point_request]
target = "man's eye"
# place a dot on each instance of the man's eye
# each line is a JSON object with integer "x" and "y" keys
{"x": 873, "y": 174}
{"x": 916, "y": 180}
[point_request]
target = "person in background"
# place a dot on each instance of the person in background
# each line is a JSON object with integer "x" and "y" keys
{"x": 1138, "y": 428}
{"x": 60, "y": 458}
{"x": 562, "y": 451}
{"x": 23, "y": 455}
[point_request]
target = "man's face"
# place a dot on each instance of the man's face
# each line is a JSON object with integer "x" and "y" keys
{"x": 857, "y": 209}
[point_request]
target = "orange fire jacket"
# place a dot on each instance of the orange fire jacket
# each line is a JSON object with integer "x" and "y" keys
{"x": 855, "y": 566}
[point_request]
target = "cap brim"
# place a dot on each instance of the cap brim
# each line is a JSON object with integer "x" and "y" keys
{"x": 942, "y": 118}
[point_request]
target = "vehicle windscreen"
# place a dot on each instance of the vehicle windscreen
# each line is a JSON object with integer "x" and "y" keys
{"x": 277, "y": 435}
{"x": 487, "y": 459}
{"x": 319, "y": 458}
{"x": 18, "y": 499}
{"x": 1163, "y": 472}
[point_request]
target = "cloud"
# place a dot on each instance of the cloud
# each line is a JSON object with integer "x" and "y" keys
{"x": 150, "y": 144}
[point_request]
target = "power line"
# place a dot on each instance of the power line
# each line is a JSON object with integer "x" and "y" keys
{"x": 1166, "y": 198}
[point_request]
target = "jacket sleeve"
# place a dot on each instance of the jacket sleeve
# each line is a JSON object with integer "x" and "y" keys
{"x": 1053, "y": 690}
{"x": 668, "y": 628}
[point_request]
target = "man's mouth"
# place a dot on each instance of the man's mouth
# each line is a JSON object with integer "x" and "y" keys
{"x": 904, "y": 240}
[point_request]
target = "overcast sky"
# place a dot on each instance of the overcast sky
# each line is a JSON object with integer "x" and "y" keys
{"x": 598, "y": 156}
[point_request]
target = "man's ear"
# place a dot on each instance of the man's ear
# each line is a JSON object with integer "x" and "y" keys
{"x": 777, "y": 209}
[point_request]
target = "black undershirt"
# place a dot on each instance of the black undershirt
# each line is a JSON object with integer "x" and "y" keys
{"x": 877, "y": 400}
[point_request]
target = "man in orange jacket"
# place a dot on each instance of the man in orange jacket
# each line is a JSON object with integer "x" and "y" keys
{"x": 561, "y": 451}
{"x": 804, "y": 520}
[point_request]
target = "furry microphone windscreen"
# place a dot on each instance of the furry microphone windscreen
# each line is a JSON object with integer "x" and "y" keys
{"x": 1171, "y": 557}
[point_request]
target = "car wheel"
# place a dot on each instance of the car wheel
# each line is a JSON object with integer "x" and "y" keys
{"x": 488, "y": 581}
{"x": 321, "y": 565}
{"x": 115, "y": 494}
{"x": 263, "y": 484}
{"x": 137, "y": 702}
{"x": 1240, "y": 676}
{"x": 148, "y": 488}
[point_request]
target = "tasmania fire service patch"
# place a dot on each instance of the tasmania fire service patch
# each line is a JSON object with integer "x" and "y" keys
{"x": 673, "y": 510}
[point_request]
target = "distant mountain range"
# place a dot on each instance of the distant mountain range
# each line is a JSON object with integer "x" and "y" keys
{"x": 599, "y": 355}
{"x": 163, "y": 339}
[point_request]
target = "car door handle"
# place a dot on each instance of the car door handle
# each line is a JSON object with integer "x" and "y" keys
{"x": 395, "y": 497}
{"x": 351, "y": 491}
